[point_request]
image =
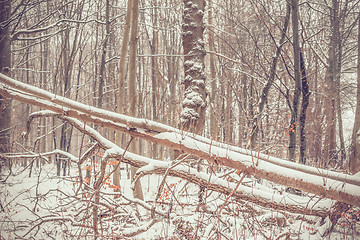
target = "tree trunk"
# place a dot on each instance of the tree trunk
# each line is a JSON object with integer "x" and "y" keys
{"x": 192, "y": 117}
{"x": 296, "y": 98}
{"x": 5, "y": 62}
{"x": 213, "y": 84}
{"x": 154, "y": 69}
{"x": 330, "y": 155}
{"x": 65, "y": 137}
{"x": 354, "y": 149}
{"x": 103, "y": 56}
{"x": 338, "y": 97}
{"x": 304, "y": 106}
{"x": 132, "y": 87}
{"x": 340, "y": 122}
{"x": 315, "y": 120}
{"x": 122, "y": 80}
{"x": 337, "y": 76}
{"x": 122, "y": 62}
{"x": 228, "y": 122}
{"x": 243, "y": 113}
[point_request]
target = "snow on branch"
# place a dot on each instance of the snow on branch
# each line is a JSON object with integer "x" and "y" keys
{"x": 59, "y": 23}
{"x": 42, "y": 155}
{"x": 324, "y": 183}
{"x": 140, "y": 229}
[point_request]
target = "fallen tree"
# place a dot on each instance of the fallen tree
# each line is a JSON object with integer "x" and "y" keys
{"x": 286, "y": 202}
{"x": 340, "y": 187}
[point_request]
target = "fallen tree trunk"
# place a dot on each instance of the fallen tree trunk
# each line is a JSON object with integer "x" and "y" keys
{"x": 340, "y": 187}
{"x": 74, "y": 108}
{"x": 286, "y": 202}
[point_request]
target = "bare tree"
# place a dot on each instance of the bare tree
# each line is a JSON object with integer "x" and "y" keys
{"x": 272, "y": 74}
{"x": 72, "y": 48}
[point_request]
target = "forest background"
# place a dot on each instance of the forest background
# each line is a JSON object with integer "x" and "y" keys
{"x": 281, "y": 78}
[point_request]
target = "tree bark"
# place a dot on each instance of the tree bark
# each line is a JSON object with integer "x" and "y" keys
{"x": 337, "y": 75}
{"x": 132, "y": 87}
{"x": 338, "y": 96}
{"x": 67, "y": 62}
{"x": 297, "y": 91}
{"x": 122, "y": 81}
{"x": 315, "y": 120}
{"x": 154, "y": 70}
{"x": 122, "y": 62}
{"x": 103, "y": 56}
{"x": 5, "y": 63}
{"x": 304, "y": 106}
{"x": 330, "y": 154}
{"x": 354, "y": 149}
{"x": 228, "y": 122}
{"x": 213, "y": 80}
{"x": 192, "y": 117}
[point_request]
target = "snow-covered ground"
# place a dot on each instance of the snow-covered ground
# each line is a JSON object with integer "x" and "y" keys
{"x": 45, "y": 206}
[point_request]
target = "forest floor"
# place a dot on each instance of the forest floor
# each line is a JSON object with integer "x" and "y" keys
{"x": 45, "y": 206}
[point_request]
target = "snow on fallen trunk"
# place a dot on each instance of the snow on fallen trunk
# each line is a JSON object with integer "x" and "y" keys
{"x": 148, "y": 125}
{"x": 340, "y": 187}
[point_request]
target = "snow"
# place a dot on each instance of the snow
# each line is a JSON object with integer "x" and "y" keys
{"x": 194, "y": 65}
{"x": 51, "y": 199}
{"x": 188, "y": 114}
{"x": 187, "y": 33}
{"x": 199, "y": 82}
{"x": 193, "y": 99}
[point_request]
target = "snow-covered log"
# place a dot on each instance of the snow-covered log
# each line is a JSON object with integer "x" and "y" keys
{"x": 72, "y": 108}
{"x": 328, "y": 184}
{"x": 268, "y": 199}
